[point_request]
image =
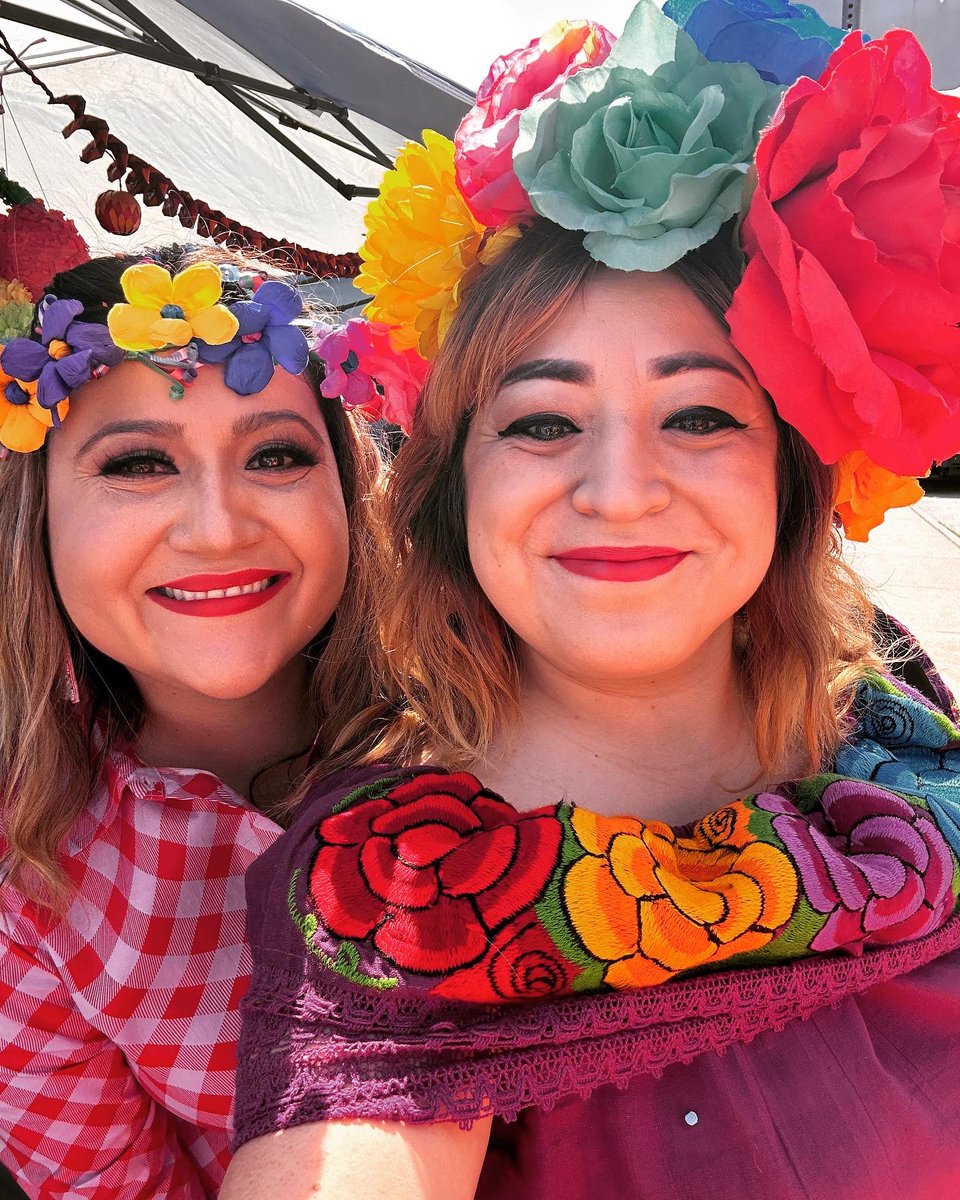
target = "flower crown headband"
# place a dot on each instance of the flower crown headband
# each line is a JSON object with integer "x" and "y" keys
{"x": 839, "y": 159}
{"x": 172, "y": 323}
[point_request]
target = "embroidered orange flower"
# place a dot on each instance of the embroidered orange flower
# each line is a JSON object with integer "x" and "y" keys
{"x": 865, "y": 493}
{"x": 652, "y": 904}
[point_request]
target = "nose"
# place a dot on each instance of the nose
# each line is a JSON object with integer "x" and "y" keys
{"x": 216, "y": 516}
{"x": 622, "y": 476}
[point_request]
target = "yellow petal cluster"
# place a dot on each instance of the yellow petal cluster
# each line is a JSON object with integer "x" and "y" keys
{"x": 12, "y": 291}
{"x": 422, "y": 242}
{"x": 24, "y": 427}
{"x": 866, "y": 492}
{"x": 164, "y": 310}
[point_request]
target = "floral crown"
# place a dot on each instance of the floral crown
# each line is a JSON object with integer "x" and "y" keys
{"x": 172, "y": 323}
{"x": 839, "y": 160}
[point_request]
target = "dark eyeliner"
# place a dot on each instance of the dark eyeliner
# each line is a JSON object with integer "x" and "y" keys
{"x": 705, "y": 413}
{"x": 300, "y": 455}
{"x": 119, "y": 464}
{"x": 526, "y": 426}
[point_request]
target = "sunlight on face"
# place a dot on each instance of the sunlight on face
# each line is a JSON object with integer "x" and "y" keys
{"x": 202, "y": 543}
{"x": 621, "y": 485}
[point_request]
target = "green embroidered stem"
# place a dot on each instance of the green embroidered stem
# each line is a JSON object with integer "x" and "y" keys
{"x": 347, "y": 960}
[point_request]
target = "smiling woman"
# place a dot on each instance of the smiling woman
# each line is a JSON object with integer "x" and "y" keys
{"x": 188, "y": 551}
{"x": 658, "y": 787}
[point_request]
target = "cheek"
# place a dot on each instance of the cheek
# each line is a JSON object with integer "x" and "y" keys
{"x": 97, "y": 543}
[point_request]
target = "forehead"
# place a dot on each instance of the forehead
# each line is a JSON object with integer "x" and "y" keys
{"x": 632, "y": 314}
{"x": 134, "y": 391}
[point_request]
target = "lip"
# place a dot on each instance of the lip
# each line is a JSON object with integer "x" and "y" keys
{"x": 211, "y": 583}
{"x": 220, "y": 606}
{"x": 621, "y": 564}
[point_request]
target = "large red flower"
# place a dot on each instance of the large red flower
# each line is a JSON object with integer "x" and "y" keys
{"x": 849, "y": 306}
{"x": 432, "y": 870}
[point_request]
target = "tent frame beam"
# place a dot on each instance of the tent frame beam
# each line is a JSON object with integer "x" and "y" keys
{"x": 208, "y": 72}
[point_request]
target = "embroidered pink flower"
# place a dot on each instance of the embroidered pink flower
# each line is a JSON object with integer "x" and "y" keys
{"x": 877, "y": 865}
{"x": 366, "y": 370}
{"x": 484, "y": 141}
{"x": 849, "y": 308}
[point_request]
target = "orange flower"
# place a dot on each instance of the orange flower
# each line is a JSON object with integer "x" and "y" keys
{"x": 865, "y": 492}
{"x": 652, "y": 904}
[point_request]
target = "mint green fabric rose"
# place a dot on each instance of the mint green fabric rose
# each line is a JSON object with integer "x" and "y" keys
{"x": 648, "y": 153}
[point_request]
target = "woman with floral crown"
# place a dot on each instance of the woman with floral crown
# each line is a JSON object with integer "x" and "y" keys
{"x": 659, "y": 787}
{"x": 181, "y": 515}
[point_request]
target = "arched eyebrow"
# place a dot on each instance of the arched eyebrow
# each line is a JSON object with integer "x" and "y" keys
{"x": 562, "y": 370}
{"x": 569, "y": 370}
{"x": 691, "y": 360}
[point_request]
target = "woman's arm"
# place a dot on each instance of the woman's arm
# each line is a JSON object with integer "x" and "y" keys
{"x": 378, "y": 1160}
{"x": 73, "y": 1119}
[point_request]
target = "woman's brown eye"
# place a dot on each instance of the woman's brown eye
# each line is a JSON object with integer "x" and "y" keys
{"x": 702, "y": 420}
{"x": 540, "y": 427}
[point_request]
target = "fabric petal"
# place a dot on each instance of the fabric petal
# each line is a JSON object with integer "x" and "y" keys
{"x": 288, "y": 345}
{"x": 249, "y": 370}
{"x": 24, "y": 358}
{"x": 19, "y": 429}
{"x": 147, "y": 285}
{"x": 57, "y": 317}
{"x": 197, "y": 288}
{"x": 217, "y": 354}
{"x": 283, "y": 301}
{"x": 136, "y": 328}
{"x": 215, "y": 325}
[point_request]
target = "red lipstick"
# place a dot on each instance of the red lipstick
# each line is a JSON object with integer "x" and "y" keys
{"x": 621, "y": 564}
{"x": 206, "y": 595}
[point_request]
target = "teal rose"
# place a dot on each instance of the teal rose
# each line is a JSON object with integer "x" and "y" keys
{"x": 648, "y": 153}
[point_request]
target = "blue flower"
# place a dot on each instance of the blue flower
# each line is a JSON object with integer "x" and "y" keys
{"x": 781, "y": 40}
{"x": 266, "y": 338}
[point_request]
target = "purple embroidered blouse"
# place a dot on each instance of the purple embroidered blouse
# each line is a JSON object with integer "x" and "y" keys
{"x": 703, "y": 1086}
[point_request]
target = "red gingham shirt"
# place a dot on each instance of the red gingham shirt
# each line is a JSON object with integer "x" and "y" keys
{"x": 118, "y": 1020}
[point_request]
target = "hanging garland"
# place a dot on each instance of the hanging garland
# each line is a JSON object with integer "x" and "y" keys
{"x": 142, "y": 179}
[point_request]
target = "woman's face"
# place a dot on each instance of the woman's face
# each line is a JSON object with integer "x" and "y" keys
{"x": 202, "y": 543}
{"x": 621, "y": 485}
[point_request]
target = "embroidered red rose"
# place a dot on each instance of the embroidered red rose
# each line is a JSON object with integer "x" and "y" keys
{"x": 849, "y": 306}
{"x": 431, "y": 870}
{"x": 522, "y": 963}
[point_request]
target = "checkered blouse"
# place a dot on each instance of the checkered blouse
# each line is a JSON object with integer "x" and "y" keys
{"x": 118, "y": 1020}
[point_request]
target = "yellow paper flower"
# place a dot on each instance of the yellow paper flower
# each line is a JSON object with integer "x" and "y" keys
{"x": 12, "y": 291}
{"x": 422, "y": 246}
{"x": 164, "y": 311}
{"x": 866, "y": 492}
{"x": 24, "y": 427}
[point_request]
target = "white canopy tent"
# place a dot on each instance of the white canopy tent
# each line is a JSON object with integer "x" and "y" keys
{"x": 271, "y": 112}
{"x": 292, "y": 159}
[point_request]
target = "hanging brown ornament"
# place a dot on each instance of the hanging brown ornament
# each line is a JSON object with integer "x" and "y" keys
{"x": 118, "y": 212}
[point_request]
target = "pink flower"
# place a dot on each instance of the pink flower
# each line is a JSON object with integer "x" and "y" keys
{"x": 849, "y": 307}
{"x": 366, "y": 370}
{"x": 877, "y": 866}
{"x": 484, "y": 141}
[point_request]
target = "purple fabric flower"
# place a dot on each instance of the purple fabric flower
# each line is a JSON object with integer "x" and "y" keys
{"x": 874, "y": 863}
{"x": 265, "y": 338}
{"x": 67, "y": 355}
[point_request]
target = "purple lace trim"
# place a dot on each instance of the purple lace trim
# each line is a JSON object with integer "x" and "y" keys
{"x": 338, "y": 1051}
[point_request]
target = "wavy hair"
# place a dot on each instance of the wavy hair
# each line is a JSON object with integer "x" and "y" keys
{"x": 50, "y": 759}
{"x": 804, "y": 641}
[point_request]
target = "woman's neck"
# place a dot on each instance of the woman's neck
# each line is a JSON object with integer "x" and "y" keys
{"x": 232, "y": 739}
{"x": 672, "y": 748}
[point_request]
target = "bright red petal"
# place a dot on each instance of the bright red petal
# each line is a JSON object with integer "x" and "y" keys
{"x": 344, "y": 903}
